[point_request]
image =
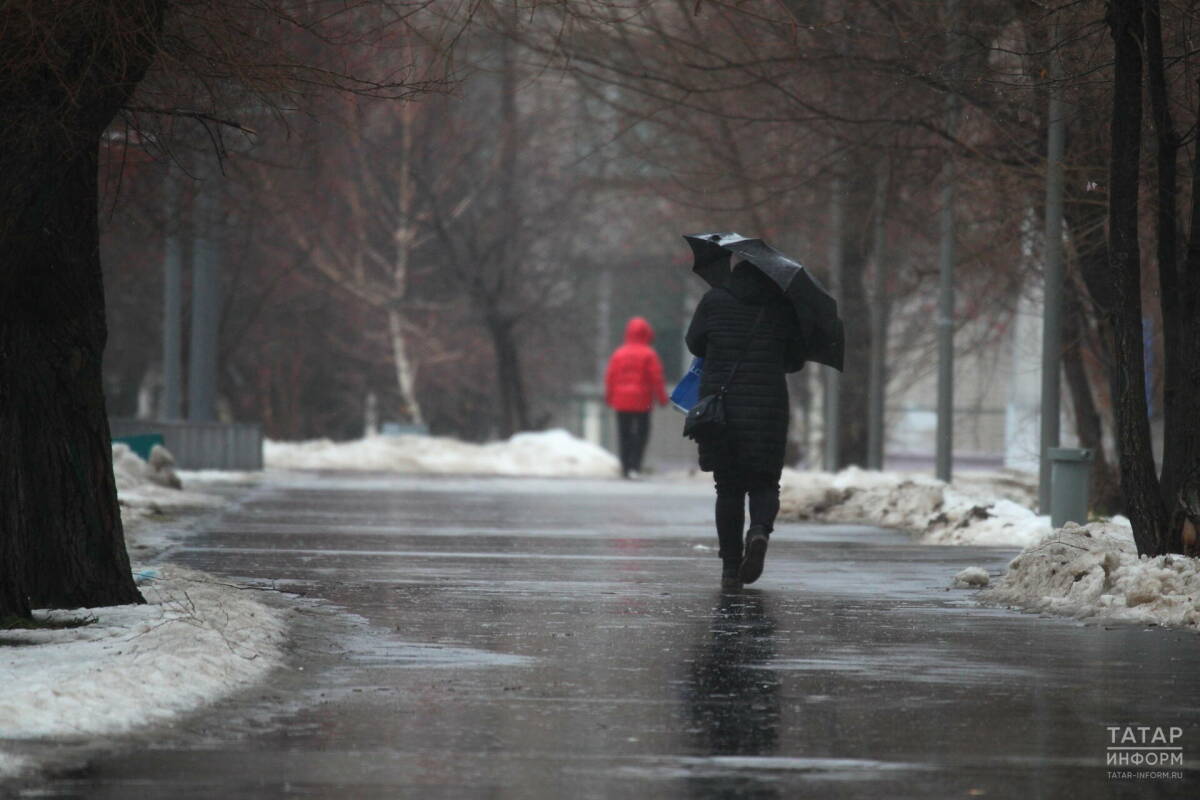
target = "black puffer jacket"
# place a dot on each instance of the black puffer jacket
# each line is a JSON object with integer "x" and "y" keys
{"x": 756, "y": 403}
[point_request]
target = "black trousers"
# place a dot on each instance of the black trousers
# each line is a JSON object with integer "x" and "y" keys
{"x": 633, "y": 430}
{"x": 733, "y": 488}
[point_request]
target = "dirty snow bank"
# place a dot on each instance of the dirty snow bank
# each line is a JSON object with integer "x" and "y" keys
{"x": 149, "y": 492}
{"x": 554, "y": 453}
{"x": 1094, "y": 572}
{"x": 977, "y": 509}
{"x": 972, "y": 577}
{"x": 195, "y": 640}
{"x": 152, "y": 487}
{"x": 132, "y": 472}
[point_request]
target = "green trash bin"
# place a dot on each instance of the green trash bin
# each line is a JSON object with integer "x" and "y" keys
{"x": 141, "y": 443}
{"x": 1070, "y": 472}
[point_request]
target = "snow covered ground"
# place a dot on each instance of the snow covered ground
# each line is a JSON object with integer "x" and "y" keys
{"x": 554, "y": 453}
{"x": 196, "y": 639}
{"x": 977, "y": 508}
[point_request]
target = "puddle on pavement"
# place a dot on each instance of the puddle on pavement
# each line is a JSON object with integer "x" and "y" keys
{"x": 420, "y": 655}
{"x": 918, "y": 665}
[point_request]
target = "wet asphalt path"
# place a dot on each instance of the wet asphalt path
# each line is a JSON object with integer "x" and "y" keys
{"x": 567, "y": 639}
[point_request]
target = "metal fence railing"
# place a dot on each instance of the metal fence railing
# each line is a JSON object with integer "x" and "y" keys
{"x": 202, "y": 445}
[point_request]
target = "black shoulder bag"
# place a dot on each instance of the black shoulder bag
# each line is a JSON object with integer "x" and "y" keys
{"x": 705, "y": 422}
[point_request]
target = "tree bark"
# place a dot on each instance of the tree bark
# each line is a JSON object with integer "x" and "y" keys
{"x": 61, "y": 539}
{"x": 1186, "y": 499}
{"x": 1139, "y": 481}
{"x": 406, "y": 371}
{"x": 405, "y": 237}
{"x": 855, "y": 305}
{"x": 510, "y": 387}
{"x": 1178, "y": 301}
{"x": 55, "y": 453}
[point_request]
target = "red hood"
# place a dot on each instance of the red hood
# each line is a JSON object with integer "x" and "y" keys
{"x": 638, "y": 331}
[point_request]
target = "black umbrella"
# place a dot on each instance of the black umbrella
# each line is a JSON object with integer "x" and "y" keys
{"x": 815, "y": 307}
{"x": 711, "y": 259}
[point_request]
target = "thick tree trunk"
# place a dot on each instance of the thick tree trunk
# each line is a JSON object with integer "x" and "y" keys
{"x": 61, "y": 540}
{"x": 1178, "y": 301}
{"x": 55, "y": 454}
{"x": 1186, "y": 499}
{"x": 1139, "y": 481}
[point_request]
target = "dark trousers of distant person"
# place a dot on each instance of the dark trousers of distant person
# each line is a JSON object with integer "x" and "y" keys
{"x": 633, "y": 430}
{"x": 733, "y": 489}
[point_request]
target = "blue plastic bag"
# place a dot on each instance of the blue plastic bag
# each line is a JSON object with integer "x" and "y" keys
{"x": 687, "y": 392}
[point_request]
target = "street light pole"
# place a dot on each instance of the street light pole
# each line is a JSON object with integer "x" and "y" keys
{"x": 1052, "y": 324}
{"x": 172, "y": 330}
{"x": 877, "y": 381}
{"x": 945, "y": 317}
{"x": 833, "y": 386}
{"x": 202, "y": 351}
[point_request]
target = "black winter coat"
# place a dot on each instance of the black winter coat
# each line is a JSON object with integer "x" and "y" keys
{"x": 756, "y": 403}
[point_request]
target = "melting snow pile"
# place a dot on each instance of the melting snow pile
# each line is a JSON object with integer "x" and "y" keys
{"x": 972, "y": 578}
{"x": 554, "y": 453}
{"x": 147, "y": 490}
{"x": 1095, "y": 572}
{"x": 984, "y": 509}
{"x": 194, "y": 641}
{"x": 133, "y": 473}
{"x": 152, "y": 486}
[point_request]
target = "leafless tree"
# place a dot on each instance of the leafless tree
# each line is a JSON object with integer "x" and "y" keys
{"x": 69, "y": 70}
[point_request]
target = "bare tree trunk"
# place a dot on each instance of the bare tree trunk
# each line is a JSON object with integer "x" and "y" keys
{"x": 406, "y": 371}
{"x": 60, "y": 501}
{"x": 1139, "y": 482}
{"x": 510, "y": 386}
{"x": 514, "y": 414}
{"x": 517, "y": 379}
{"x": 404, "y": 236}
{"x": 61, "y": 539}
{"x": 1186, "y": 499}
{"x": 1105, "y": 488}
{"x": 1180, "y": 427}
{"x": 854, "y": 304}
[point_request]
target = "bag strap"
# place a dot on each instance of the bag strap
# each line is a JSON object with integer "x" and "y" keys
{"x": 745, "y": 349}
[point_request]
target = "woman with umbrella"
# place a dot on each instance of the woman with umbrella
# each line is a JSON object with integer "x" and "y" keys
{"x": 750, "y": 332}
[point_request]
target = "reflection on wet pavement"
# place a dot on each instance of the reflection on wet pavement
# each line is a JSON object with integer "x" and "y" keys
{"x": 544, "y": 639}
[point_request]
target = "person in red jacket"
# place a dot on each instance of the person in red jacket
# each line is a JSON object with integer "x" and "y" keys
{"x": 632, "y": 382}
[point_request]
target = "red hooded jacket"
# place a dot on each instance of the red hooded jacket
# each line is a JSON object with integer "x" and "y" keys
{"x": 634, "y": 378}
